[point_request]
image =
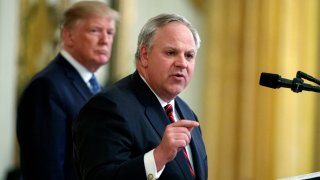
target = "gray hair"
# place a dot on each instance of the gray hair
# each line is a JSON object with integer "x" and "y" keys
{"x": 148, "y": 31}
{"x": 86, "y": 9}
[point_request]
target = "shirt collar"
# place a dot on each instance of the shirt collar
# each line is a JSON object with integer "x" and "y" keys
{"x": 162, "y": 102}
{"x": 84, "y": 73}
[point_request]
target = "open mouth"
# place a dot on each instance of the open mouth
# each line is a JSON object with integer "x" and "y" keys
{"x": 179, "y": 76}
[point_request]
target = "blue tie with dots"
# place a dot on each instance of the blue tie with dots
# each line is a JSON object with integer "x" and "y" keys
{"x": 95, "y": 87}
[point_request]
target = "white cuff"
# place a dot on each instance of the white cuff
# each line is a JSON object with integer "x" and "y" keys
{"x": 150, "y": 166}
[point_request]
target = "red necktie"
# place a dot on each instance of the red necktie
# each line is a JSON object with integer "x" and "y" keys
{"x": 169, "y": 111}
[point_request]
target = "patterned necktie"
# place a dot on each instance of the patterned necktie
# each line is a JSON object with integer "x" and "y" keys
{"x": 169, "y": 111}
{"x": 95, "y": 87}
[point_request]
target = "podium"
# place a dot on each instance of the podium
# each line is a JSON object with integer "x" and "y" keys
{"x": 311, "y": 176}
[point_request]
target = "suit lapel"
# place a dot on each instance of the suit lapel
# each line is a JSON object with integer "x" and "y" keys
{"x": 153, "y": 110}
{"x": 75, "y": 78}
{"x": 196, "y": 143}
{"x": 183, "y": 164}
{"x": 196, "y": 154}
{"x": 157, "y": 119}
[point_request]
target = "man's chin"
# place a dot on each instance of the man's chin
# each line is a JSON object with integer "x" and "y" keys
{"x": 177, "y": 90}
{"x": 103, "y": 60}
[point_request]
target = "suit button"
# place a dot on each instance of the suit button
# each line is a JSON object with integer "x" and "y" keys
{"x": 150, "y": 176}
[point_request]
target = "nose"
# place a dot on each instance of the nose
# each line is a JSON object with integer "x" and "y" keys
{"x": 105, "y": 38}
{"x": 181, "y": 62}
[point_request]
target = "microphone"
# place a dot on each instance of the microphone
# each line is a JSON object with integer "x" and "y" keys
{"x": 276, "y": 81}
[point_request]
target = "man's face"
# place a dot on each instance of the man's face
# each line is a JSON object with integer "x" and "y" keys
{"x": 90, "y": 41}
{"x": 170, "y": 63}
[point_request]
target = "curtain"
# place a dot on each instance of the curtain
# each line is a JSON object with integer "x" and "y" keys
{"x": 250, "y": 131}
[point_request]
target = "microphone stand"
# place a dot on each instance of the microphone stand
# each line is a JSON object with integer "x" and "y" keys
{"x": 298, "y": 84}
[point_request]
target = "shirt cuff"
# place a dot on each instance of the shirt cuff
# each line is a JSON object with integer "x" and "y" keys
{"x": 150, "y": 166}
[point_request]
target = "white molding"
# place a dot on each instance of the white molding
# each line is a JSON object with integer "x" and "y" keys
{"x": 8, "y": 61}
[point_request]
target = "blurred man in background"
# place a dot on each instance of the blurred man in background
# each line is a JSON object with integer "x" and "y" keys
{"x": 54, "y": 96}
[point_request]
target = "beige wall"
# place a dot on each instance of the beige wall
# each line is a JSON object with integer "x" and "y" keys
{"x": 8, "y": 56}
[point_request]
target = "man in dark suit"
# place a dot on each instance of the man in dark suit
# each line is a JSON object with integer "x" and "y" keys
{"x": 54, "y": 96}
{"x": 139, "y": 128}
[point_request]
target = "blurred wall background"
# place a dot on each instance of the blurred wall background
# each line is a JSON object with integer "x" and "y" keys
{"x": 251, "y": 132}
{"x": 9, "y": 12}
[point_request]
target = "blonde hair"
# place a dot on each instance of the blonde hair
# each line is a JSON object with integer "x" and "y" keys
{"x": 86, "y": 9}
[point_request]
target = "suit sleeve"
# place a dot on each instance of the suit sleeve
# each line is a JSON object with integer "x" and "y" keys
{"x": 104, "y": 143}
{"x": 41, "y": 128}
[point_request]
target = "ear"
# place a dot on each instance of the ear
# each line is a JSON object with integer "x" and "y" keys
{"x": 67, "y": 37}
{"x": 144, "y": 57}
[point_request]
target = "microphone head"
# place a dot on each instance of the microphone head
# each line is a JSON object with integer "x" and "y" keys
{"x": 270, "y": 80}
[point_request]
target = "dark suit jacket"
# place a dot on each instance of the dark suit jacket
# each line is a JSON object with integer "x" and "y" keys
{"x": 117, "y": 127}
{"x": 46, "y": 109}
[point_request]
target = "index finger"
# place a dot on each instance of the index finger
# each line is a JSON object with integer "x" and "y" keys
{"x": 185, "y": 123}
